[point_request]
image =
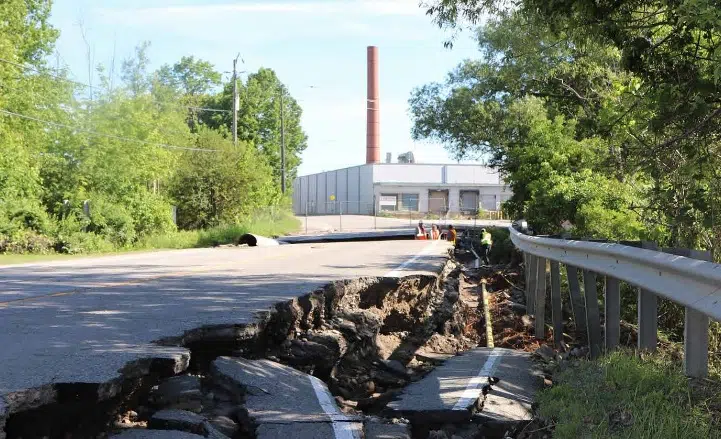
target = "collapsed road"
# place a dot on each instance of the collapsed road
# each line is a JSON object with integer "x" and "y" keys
{"x": 85, "y": 321}
{"x": 85, "y": 339}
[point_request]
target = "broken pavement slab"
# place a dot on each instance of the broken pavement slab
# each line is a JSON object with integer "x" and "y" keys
{"x": 155, "y": 434}
{"x": 185, "y": 421}
{"x": 176, "y": 389}
{"x": 380, "y": 430}
{"x": 453, "y": 392}
{"x": 3, "y": 416}
{"x": 283, "y": 402}
{"x": 310, "y": 430}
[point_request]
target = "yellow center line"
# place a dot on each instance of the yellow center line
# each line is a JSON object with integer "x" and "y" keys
{"x": 151, "y": 278}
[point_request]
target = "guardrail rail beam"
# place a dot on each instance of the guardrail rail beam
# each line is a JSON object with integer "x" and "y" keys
{"x": 684, "y": 276}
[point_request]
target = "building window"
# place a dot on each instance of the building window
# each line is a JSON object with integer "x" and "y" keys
{"x": 409, "y": 202}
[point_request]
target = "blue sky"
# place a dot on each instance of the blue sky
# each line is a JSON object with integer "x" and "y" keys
{"x": 318, "y": 43}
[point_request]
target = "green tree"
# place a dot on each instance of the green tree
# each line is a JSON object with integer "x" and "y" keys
{"x": 221, "y": 183}
{"x": 190, "y": 77}
{"x": 259, "y": 118}
{"x": 26, "y": 39}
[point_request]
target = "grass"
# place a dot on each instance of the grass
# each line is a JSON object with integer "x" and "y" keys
{"x": 265, "y": 225}
{"x": 624, "y": 396}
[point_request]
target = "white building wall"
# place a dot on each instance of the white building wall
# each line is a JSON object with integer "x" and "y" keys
{"x": 454, "y": 199}
{"x": 474, "y": 175}
{"x": 401, "y": 173}
{"x": 312, "y": 193}
{"x": 331, "y": 190}
{"x": 366, "y": 195}
{"x": 353, "y": 182}
{"x": 342, "y": 185}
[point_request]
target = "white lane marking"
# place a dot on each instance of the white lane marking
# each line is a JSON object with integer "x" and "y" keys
{"x": 475, "y": 385}
{"x": 426, "y": 250}
{"x": 342, "y": 426}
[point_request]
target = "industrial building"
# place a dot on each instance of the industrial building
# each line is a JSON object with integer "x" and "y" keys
{"x": 403, "y": 186}
{"x": 370, "y": 188}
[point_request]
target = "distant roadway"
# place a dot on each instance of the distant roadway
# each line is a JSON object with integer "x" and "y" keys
{"x": 334, "y": 223}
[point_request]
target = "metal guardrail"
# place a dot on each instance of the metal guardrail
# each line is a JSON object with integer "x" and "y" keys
{"x": 690, "y": 281}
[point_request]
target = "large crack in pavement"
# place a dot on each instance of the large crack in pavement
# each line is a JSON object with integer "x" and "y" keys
{"x": 362, "y": 336}
{"x": 359, "y": 342}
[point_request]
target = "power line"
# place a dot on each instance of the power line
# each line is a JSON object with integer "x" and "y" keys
{"x": 84, "y": 85}
{"x": 109, "y": 136}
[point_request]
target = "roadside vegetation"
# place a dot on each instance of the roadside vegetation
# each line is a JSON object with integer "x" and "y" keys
{"x": 99, "y": 166}
{"x": 604, "y": 114}
{"x": 623, "y": 395}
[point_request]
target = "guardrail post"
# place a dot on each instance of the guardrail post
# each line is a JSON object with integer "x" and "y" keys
{"x": 556, "y": 305}
{"x": 695, "y": 334}
{"x": 531, "y": 286}
{"x": 612, "y": 305}
{"x": 527, "y": 272}
{"x": 593, "y": 319}
{"x": 540, "y": 302}
{"x": 647, "y": 313}
{"x": 579, "y": 312}
{"x": 340, "y": 216}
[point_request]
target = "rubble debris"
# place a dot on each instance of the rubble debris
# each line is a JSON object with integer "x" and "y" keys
{"x": 376, "y": 428}
{"x": 182, "y": 420}
{"x": 155, "y": 434}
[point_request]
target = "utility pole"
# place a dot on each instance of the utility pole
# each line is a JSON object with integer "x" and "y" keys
{"x": 282, "y": 142}
{"x": 235, "y": 101}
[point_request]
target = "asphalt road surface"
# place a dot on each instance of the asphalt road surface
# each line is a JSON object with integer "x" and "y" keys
{"x": 82, "y": 321}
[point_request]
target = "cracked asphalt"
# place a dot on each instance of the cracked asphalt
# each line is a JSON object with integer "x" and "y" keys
{"x": 82, "y": 321}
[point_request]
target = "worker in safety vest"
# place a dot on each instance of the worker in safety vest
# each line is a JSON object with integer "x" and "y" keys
{"x": 421, "y": 231}
{"x": 451, "y": 234}
{"x": 486, "y": 243}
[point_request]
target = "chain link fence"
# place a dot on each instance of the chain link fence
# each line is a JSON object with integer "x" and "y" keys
{"x": 393, "y": 213}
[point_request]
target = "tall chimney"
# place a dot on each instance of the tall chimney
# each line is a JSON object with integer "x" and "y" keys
{"x": 373, "y": 141}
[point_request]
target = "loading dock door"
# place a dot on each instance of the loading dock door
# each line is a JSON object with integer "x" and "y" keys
{"x": 469, "y": 201}
{"x": 488, "y": 202}
{"x": 437, "y": 201}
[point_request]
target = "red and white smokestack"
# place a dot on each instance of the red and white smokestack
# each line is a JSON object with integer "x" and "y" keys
{"x": 373, "y": 133}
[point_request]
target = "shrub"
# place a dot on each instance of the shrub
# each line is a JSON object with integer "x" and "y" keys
{"x": 29, "y": 216}
{"x": 113, "y": 221}
{"x": 83, "y": 242}
{"x": 503, "y": 248}
{"x": 26, "y": 241}
{"x": 151, "y": 214}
